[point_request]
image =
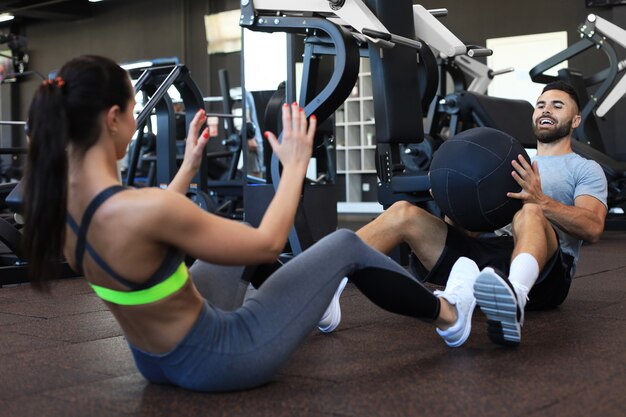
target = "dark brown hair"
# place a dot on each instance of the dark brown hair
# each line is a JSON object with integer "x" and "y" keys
{"x": 566, "y": 88}
{"x": 64, "y": 112}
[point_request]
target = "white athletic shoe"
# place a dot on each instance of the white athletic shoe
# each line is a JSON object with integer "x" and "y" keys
{"x": 498, "y": 299}
{"x": 332, "y": 316}
{"x": 459, "y": 291}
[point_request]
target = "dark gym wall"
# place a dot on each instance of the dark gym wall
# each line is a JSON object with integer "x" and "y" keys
{"x": 475, "y": 21}
{"x": 128, "y": 30}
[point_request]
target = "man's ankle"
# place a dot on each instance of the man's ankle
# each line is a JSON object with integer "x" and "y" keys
{"x": 521, "y": 292}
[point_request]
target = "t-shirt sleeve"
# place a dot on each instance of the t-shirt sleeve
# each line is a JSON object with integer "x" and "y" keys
{"x": 592, "y": 181}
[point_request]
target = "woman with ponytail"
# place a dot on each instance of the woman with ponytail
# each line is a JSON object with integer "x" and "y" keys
{"x": 188, "y": 327}
{"x": 46, "y": 186}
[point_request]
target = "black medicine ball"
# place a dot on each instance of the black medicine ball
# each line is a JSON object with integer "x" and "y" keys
{"x": 470, "y": 175}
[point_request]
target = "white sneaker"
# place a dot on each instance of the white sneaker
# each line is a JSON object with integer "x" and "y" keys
{"x": 332, "y": 316}
{"x": 498, "y": 299}
{"x": 459, "y": 291}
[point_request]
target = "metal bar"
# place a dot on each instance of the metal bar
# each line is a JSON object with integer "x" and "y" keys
{"x": 537, "y": 73}
{"x": 353, "y": 12}
{"x": 611, "y": 31}
{"x": 438, "y": 12}
{"x": 12, "y": 123}
{"x": 224, "y": 115}
{"x": 158, "y": 95}
{"x": 13, "y": 151}
{"x": 478, "y": 52}
{"x": 390, "y": 37}
{"x": 134, "y": 158}
{"x": 430, "y": 30}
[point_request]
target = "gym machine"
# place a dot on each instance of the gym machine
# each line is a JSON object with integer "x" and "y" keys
{"x": 458, "y": 76}
{"x": 12, "y": 262}
{"x": 155, "y": 82}
{"x": 316, "y": 215}
{"x": 216, "y": 196}
{"x": 404, "y": 70}
{"x": 467, "y": 75}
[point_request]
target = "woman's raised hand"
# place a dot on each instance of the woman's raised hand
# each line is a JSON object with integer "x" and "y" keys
{"x": 194, "y": 146}
{"x": 297, "y": 144}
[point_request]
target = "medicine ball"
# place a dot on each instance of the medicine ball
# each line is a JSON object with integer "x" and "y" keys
{"x": 470, "y": 176}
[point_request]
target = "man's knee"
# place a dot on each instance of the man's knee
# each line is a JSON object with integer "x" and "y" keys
{"x": 529, "y": 214}
{"x": 529, "y": 210}
{"x": 401, "y": 214}
{"x": 413, "y": 224}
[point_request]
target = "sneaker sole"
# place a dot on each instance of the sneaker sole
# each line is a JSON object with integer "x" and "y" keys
{"x": 337, "y": 307}
{"x": 498, "y": 302}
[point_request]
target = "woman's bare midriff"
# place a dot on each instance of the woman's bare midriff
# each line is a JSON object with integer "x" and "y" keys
{"x": 158, "y": 327}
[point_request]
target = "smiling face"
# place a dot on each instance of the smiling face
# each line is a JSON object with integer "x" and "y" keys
{"x": 555, "y": 116}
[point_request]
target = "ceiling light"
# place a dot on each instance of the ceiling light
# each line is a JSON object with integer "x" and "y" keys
{"x": 5, "y": 17}
{"x": 136, "y": 65}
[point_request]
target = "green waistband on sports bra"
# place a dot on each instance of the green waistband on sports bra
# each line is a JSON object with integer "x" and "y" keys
{"x": 150, "y": 295}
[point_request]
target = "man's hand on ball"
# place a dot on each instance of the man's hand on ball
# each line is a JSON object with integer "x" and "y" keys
{"x": 527, "y": 176}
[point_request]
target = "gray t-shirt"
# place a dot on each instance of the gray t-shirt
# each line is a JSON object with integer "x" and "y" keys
{"x": 566, "y": 177}
{"x": 563, "y": 178}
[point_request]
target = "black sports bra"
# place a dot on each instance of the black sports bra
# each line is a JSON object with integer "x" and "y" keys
{"x": 169, "y": 276}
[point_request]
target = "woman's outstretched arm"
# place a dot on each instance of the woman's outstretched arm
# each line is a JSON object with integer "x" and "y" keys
{"x": 215, "y": 239}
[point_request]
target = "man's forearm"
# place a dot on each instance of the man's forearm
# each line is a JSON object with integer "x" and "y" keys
{"x": 580, "y": 222}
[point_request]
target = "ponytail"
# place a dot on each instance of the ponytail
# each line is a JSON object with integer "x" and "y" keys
{"x": 65, "y": 113}
{"x": 45, "y": 183}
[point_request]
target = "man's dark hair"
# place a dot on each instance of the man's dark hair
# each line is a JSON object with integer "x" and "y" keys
{"x": 566, "y": 88}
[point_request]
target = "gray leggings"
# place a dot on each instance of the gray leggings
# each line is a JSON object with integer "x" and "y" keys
{"x": 243, "y": 344}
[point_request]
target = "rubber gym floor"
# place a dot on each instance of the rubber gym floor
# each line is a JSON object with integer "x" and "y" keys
{"x": 64, "y": 355}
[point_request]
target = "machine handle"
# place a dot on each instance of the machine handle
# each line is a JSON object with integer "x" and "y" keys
{"x": 390, "y": 37}
{"x": 500, "y": 71}
{"x": 438, "y": 12}
{"x": 377, "y": 34}
{"x": 477, "y": 52}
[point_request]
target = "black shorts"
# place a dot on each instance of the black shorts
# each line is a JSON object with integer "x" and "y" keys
{"x": 552, "y": 284}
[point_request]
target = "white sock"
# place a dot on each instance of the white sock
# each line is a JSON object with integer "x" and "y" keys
{"x": 523, "y": 274}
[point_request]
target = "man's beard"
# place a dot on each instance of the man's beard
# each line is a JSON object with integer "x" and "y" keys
{"x": 554, "y": 135}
